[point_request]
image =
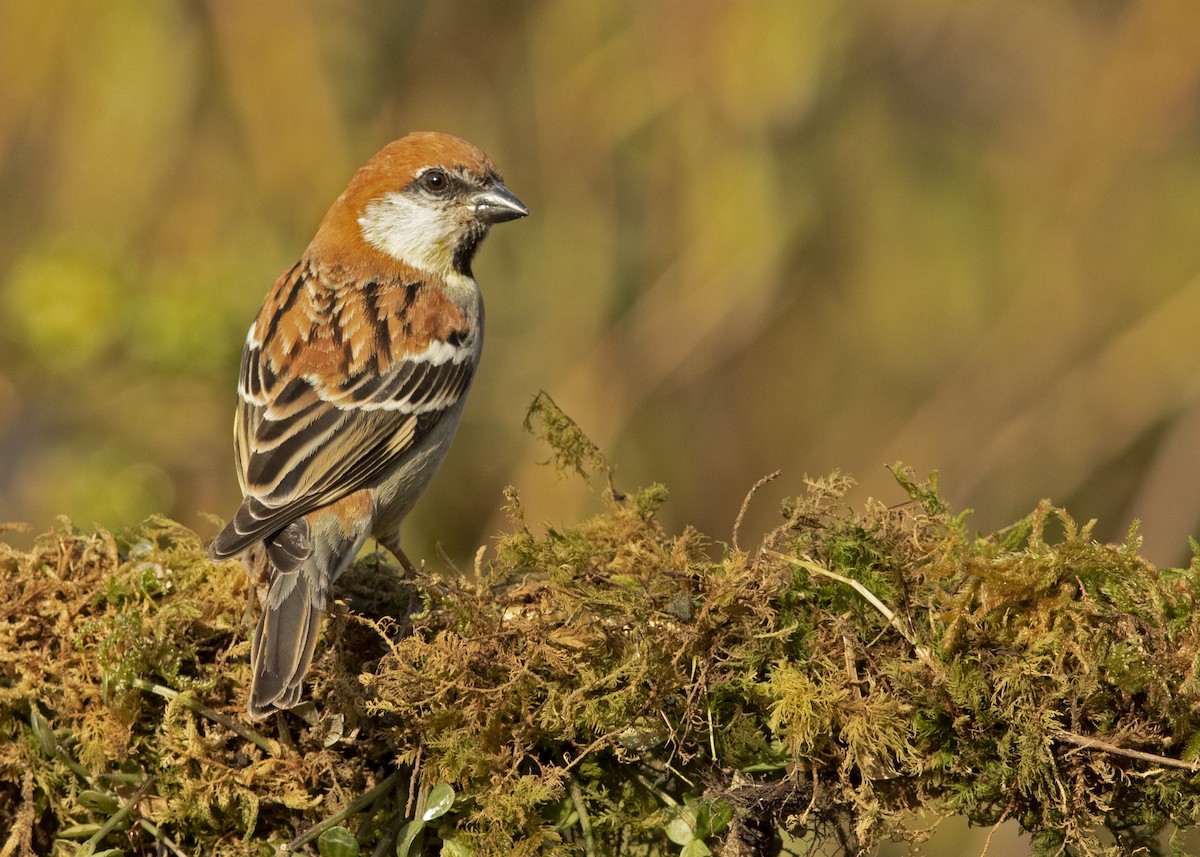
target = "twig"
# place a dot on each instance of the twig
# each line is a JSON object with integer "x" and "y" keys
{"x": 851, "y": 664}
{"x": 89, "y": 847}
{"x": 812, "y": 800}
{"x": 737, "y": 524}
{"x": 387, "y": 839}
{"x": 21, "y": 833}
{"x": 712, "y": 741}
{"x": 987, "y": 843}
{"x": 77, "y": 769}
{"x": 266, "y": 744}
{"x": 1096, "y": 744}
{"x": 414, "y": 784}
{"x": 364, "y": 800}
{"x": 599, "y": 742}
{"x": 155, "y": 831}
{"x": 655, "y": 790}
{"x": 585, "y": 824}
{"x": 441, "y": 551}
{"x": 884, "y": 610}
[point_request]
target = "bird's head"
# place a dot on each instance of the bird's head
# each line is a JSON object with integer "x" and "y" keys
{"x": 426, "y": 200}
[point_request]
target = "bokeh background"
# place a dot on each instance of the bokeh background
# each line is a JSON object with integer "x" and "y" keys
{"x": 774, "y": 234}
{"x": 771, "y": 234}
{"x": 767, "y": 234}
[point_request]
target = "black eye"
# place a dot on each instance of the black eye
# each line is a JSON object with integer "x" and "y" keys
{"x": 435, "y": 181}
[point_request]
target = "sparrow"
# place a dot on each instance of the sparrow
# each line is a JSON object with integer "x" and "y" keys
{"x": 352, "y": 383}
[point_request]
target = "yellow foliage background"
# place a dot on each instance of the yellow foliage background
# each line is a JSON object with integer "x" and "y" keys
{"x": 795, "y": 234}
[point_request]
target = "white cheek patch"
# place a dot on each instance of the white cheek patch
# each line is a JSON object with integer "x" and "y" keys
{"x": 418, "y": 235}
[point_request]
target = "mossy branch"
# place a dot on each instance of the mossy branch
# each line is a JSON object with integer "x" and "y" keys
{"x": 610, "y": 682}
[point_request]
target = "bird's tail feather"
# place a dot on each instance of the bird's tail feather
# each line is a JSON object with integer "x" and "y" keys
{"x": 305, "y": 558}
{"x": 282, "y": 649}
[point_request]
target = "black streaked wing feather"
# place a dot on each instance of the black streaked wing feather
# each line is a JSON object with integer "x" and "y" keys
{"x": 310, "y": 445}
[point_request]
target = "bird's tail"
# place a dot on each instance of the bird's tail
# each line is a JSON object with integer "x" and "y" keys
{"x": 284, "y": 640}
{"x": 286, "y": 635}
{"x": 303, "y": 559}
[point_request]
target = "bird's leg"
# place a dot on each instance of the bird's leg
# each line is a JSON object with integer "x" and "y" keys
{"x": 392, "y": 543}
{"x": 258, "y": 573}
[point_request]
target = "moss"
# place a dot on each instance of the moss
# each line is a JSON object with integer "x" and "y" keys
{"x": 610, "y": 682}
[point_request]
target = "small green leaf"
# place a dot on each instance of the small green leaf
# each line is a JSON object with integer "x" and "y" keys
{"x": 79, "y": 831}
{"x": 440, "y": 799}
{"x": 565, "y": 816}
{"x": 720, "y": 813}
{"x": 337, "y": 842}
{"x": 408, "y": 833}
{"x": 42, "y": 732}
{"x": 763, "y": 767}
{"x": 452, "y": 846}
{"x": 681, "y": 825}
{"x": 99, "y": 801}
{"x": 641, "y": 736}
{"x": 695, "y": 848}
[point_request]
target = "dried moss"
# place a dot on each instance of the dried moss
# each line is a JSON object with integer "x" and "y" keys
{"x": 612, "y": 684}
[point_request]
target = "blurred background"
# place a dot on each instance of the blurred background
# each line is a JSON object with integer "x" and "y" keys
{"x": 765, "y": 235}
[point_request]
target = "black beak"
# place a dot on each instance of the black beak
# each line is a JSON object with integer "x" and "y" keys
{"x": 497, "y": 204}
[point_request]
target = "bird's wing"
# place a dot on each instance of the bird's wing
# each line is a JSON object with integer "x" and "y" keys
{"x": 334, "y": 393}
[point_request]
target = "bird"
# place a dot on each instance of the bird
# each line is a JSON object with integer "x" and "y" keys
{"x": 352, "y": 383}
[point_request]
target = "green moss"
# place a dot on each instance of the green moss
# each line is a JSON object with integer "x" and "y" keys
{"x": 611, "y": 682}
